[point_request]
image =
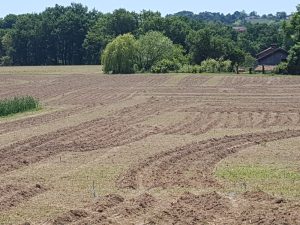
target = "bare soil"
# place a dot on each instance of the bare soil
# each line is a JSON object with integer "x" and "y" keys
{"x": 141, "y": 149}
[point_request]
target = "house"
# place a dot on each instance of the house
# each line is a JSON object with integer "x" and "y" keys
{"x": 268, "y": 59}
{"x": 272, "y": 56}
{"x": 240, "y": 29}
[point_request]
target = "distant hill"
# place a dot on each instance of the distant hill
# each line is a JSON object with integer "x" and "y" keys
{"x": 237, "y": 18}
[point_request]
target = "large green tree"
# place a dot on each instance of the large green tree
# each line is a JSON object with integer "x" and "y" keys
{"x": 152, "y": 48}
{"x": 119, "y": 56}
{"x": 207, "y": 43}
{"x": 177, "y": 29}
{"x": 106, "y": 28}
{"x": 150, "y": 21}
{"x": 23, "y": 43}
{"x": 292, "y": 32}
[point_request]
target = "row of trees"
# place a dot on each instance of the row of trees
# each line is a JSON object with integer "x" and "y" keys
{"x": 52, "y": 37}
{"x": 238, "y": 17}
{"x": 126, "y": 54}
{"x": 75, "y": 35}
{"x": 157, "y": 53}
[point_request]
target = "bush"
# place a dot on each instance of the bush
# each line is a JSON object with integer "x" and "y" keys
{"x": 216, "y": 66}
{"x": 190, "y": 69}
{"x": 210, "y": 66}
{"x": 5, "y": 61}
{"x": 225, "y": 66}
{"x": 17, "y": 105}
{"x": 165, "y": 66}
{"x": 282, "y": 68}
{"x": 120, "y": 55}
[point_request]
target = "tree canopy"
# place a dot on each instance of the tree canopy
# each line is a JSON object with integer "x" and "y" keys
{"x": 152, "y": 48}
{"x": 120, "y": 55}
{"x": 292, "y": 37}
{"x": 71, "y": 35}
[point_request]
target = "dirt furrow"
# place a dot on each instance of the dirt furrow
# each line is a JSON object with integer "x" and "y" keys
{"x": 166, "y": 169}
{"x": 210, "y": 208}
{"x": 38, "y": 120}
{"x": 13, "y": 195}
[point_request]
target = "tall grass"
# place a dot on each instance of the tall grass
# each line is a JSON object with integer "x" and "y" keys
{"x": 17, "y": 105}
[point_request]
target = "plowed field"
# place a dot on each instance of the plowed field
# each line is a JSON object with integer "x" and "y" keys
{"x": 147, "y": 149}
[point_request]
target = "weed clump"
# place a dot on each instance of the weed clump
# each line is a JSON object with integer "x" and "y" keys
{"x": 18, "y": 105}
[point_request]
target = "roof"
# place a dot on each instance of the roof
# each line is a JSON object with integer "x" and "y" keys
{"x": 269, "y": 51}
{"x": 240, "y": 29}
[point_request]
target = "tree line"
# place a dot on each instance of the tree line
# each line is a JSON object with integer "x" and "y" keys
{"x": 237, "y": 18}
{"x": 75, "y": 35}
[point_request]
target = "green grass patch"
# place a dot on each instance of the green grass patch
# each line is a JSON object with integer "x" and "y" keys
{"x": 17, "y": 105}
{"x": 237, "y": 173}
{"x": 266, "y": 178}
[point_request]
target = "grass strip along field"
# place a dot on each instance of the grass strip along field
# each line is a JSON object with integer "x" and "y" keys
{"x": 18, "y": 105}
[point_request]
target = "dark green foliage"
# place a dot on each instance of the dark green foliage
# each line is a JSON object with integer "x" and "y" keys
{"x": 250, "y": 61}
{"x": 106, "y": 28}
{"x": 151, "y": 52}
{"x": 235, "y": 18}
{"x": 71, "y": 35}
{"x": 282, "y": 68}
{"x": 5, "y": 61}
{"x": 53, "y": 37}
{"x": 292, "y": 34}
{"x": 17, "y": 105}
{"x": 207, "y": 43}
{"x": 293, "y": 64}
{"x": 259, "y": 37}
{"x": 8, "y": 21}
{"x": 152, "y": 48}
{"x": 151, "y": 21}
{"x": 237, "y": 56}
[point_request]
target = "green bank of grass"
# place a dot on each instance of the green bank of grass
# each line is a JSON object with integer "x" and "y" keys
{"x": 52, "y": 70}
{"x": 97, "y": 70}
{"x": 18, "y": 105}
{"x": 270, "y": 179}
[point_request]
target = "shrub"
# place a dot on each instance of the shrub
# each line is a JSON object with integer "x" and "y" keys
{"x": 216, "y": 66}
{"x": 282, "y": 68}
{"x": 225, "y": 66}
{"x": 190, "y": 69}
{"x": 17, "y": 105}
{"x": 5, "y": 61}
{"x": 165, "y": 66}
{"x": 210, "y": 66}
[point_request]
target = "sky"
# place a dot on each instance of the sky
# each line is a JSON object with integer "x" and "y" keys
{"x": 164, "y": 6}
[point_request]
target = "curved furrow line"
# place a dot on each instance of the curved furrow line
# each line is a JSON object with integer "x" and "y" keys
{"x": 120, "y": 129}
{"x": 11, "y": 126}
{"x": 12, "y": 195}
{"x": 167, "y": 169}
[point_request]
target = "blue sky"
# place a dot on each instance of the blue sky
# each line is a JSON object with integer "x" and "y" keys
{"x": 164, "y": 6}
